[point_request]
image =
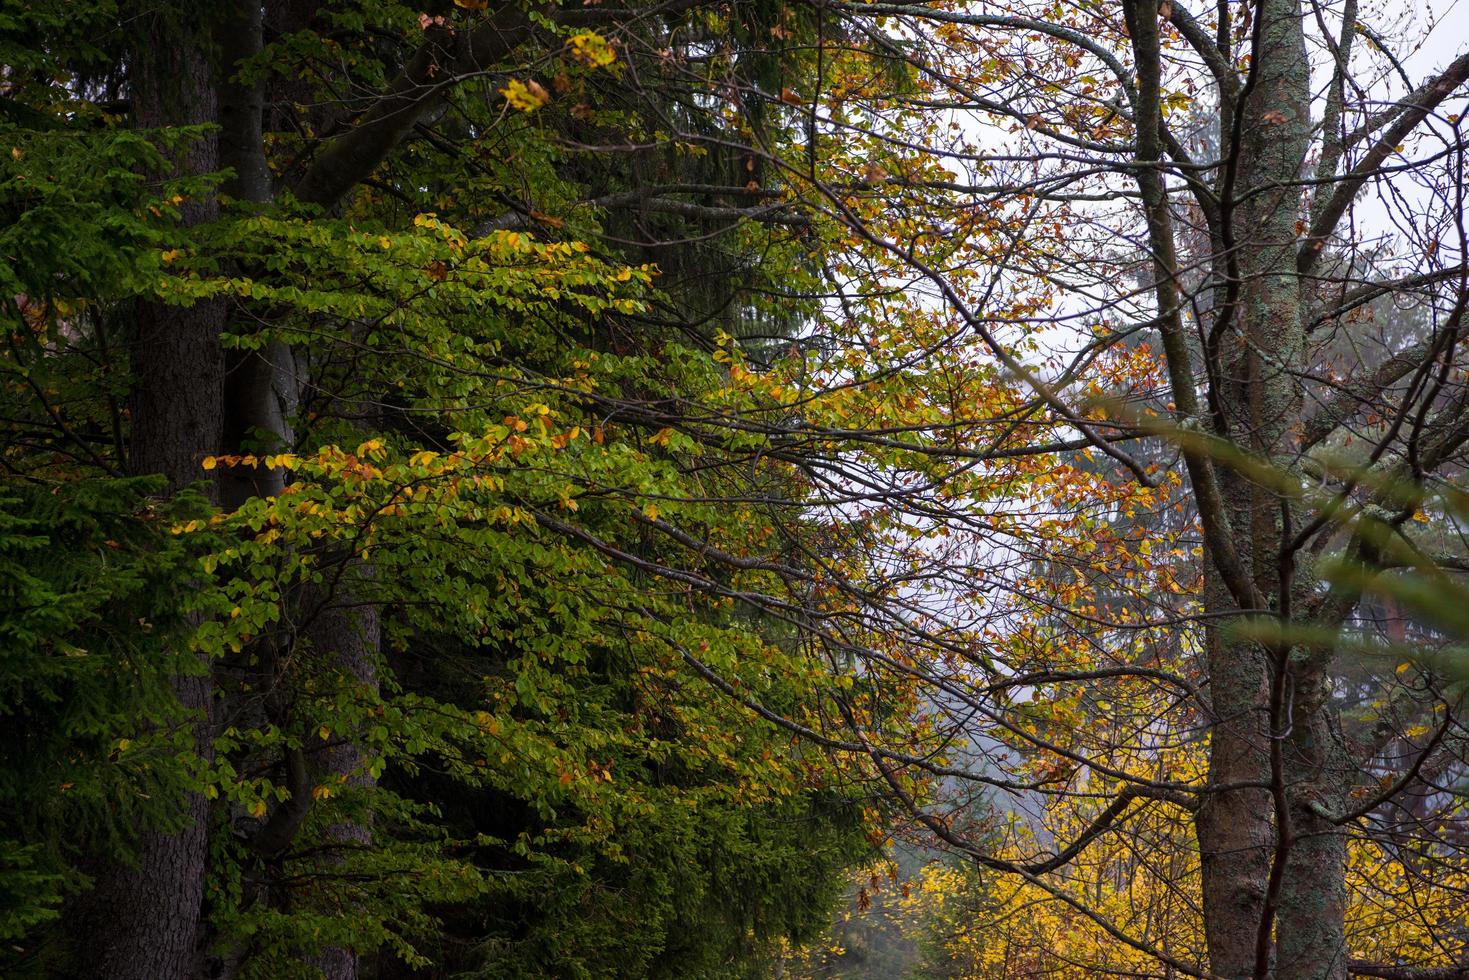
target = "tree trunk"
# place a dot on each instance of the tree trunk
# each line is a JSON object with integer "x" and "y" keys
{"x": 143, "y": 922}
{"x": 261, "y": 394}
{"x": 1272, "y": 712}
{"x": 1234, "y": 828}
{"x": 1311, "y": 934}
{"x": 348, "y": 635}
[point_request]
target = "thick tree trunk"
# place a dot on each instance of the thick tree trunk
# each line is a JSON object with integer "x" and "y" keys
{"x": 143, "y": 922}
{"x": 1310, "y": 902}
{"x": 1274, "y": 864}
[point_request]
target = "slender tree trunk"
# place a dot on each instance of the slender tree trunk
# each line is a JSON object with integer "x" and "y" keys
{"x": 261, "y": 386}
{"x": 261, "y": 392}
{"x": 350, "y": 636}
{"x": 1311, "y": 934}
{"x": 1234, "y": 829}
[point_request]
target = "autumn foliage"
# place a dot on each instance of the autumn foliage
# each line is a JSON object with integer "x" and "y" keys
{"x": 574, "y": 489}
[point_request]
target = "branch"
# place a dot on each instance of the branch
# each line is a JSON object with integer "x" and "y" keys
{"x": 1367, "y": 292}
{"x": 1178, "y": 360}
{"x": 1416, "y": 106}
{"x": 1198, "y": 38}
{"x": 940, "y": 829}
{"x": 1331, "y": 126}
{"x": 1006, "y": 22}
{"x": 1350, "y": 397}
{"x": 1382, "y": 971}
{"x": 1403, "y": 781}
{"x": 769, "y": 214}
{"x": 276, "y": 834}
{"x": 445, "y": 56}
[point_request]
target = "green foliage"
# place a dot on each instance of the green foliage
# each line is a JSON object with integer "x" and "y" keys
{"x": 89, "y": 620}
{"x": 527, "y": 669}
{"x": 497, "y": 424}
{"x": 629, "y": 826}
{"x": 696, "y": 894}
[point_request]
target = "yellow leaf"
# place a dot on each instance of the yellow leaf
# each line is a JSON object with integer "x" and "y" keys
{"x": 525, "y": 97}
{"x": 592, "y": 49}
{"x": 210, "y": 462}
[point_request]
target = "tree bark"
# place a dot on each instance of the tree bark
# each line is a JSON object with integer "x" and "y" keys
{"x": 144, "y": 922}
{"x": 261, "y": 393}
{"x": 1234, "y": 829}
{"x": 1299, "y": 928}
{"x": 1273, "y": 864}
{"x": 1311, "y": 934}
{"x": 1308, "y": 889}
{"x": 348, "y": 635}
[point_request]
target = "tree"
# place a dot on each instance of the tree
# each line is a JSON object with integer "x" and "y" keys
{"x": 363, "y": 276}
{"x": 1303, "y": 477}
{"x": 943, "y": 403}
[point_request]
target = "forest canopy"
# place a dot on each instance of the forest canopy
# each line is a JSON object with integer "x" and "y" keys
{"x": 583, "y": 489}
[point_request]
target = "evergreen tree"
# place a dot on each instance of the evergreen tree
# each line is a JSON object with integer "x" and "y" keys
{"x": 355, "y": 351}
